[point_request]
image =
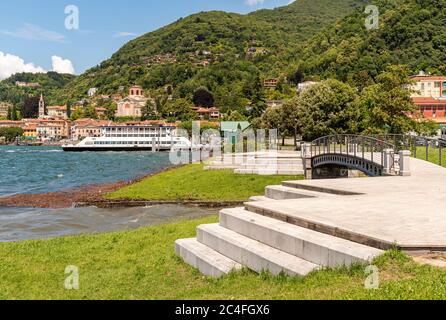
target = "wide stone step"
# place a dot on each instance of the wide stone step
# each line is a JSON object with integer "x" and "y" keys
{"x": 318, "y": 248}
{"x": 272, "y": 166}
{"x": 280, "y": 192}
{"x": 208, "y": 261}
{"x": 253, "y": 254}
{"x": 300, "y": 186}
{"x": 270, "y": 172}
{"x": 259, "y": 198}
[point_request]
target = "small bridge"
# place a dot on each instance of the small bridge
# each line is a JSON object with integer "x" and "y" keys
{"x": 370, "y": 155}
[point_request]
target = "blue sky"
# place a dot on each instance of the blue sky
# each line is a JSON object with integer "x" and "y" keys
{"x": 33, "y": 36}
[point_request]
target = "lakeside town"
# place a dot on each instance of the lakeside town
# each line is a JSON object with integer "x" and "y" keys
{"x": 254, "y": 150}
{"x": 53, "y": 124}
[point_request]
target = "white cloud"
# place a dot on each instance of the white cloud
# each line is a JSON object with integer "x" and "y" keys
{"x": 123, "y": 34}
{"x": 254, "y": 2}
{"x": 11, "y": 64}
{"x": 33, "y": 32}
{"x": 61, "y": 65}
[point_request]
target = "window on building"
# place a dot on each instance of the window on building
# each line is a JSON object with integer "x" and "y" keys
{"x": 437, "y": 84}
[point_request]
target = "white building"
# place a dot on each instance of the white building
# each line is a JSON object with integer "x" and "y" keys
{"x": 131, "y": 106}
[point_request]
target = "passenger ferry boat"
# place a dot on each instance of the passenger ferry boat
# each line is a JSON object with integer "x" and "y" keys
{"x": 132, "y": 138}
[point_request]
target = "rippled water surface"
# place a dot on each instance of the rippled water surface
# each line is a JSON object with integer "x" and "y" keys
{"x": 48, "y": 169}
{"x": 29, "y": 223}
{"x": 30, "y": 170}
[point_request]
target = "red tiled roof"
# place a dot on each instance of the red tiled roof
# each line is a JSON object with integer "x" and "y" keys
{"x": 427, "y": 78}
{"x": 427, "y": 101}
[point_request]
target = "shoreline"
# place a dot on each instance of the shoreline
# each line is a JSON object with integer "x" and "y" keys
{"x": 73, "y": 197}
{"x": 92, "y": 196}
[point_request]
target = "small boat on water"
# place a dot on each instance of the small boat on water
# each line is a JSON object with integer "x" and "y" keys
{"x": 132, "y": 138}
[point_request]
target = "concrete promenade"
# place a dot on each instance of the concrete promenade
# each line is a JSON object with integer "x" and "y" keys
{"x": 407, "y": 211}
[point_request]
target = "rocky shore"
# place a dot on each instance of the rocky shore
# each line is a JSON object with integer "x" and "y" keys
{"x": 91, "y": 194}
{"x": 62, "y": 199}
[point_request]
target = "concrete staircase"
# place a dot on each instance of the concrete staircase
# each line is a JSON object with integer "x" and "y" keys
{"x": 265, "y": 242}
{"x": 264, "y": 163}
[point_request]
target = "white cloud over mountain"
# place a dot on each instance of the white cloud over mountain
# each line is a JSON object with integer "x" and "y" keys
{"x": 11, "y": 64}
{"x": 61, "y": 65}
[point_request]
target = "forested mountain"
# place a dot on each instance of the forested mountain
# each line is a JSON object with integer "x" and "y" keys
{"x": 50, "y": 85}
{"x": 225, "y": 52}
{"x": 411, "y": 32}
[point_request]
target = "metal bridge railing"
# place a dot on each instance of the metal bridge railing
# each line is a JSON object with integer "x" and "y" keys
{"x": 423, "y": 148}
{"x": 366, "y": 148}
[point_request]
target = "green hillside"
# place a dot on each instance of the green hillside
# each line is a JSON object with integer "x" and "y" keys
{"x": 172, "y": 54}
{"x": 411, "y": 32}
{"x": 50, "y": 84}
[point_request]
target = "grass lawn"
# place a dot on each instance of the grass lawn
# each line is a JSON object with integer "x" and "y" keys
{"x": 191, "y": 182}
{"x": 141, "y": 264}
{"x": 433, "y": 155}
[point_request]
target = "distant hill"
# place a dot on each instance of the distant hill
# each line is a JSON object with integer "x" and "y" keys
{"x": 411, "y": 32}
{"x": 226, "y": 52}
{"x": 48, "y": 83}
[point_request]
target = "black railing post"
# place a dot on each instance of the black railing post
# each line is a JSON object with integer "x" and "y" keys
{"x": 427, "y": 150}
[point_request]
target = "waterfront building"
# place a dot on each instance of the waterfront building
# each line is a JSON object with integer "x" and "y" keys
{"x": 132, "y": 105}
{"x": 57, "y": 112}
{"x": 429, "y": 95}
{"x": 10, "y": 123}
{"x": 52, "y": 129}
{"x": 30, "y": 130}
{"x": 230, "y": 129}
{"x": 208, "y": 113}
{"x": 84, "y": 128}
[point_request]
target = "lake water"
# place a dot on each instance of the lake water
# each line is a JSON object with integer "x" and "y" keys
{"x": 48, "y": 169}
{"x": 30, "y": 170}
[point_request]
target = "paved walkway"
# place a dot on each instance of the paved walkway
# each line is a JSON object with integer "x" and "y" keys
{"x": 408, "y": 211}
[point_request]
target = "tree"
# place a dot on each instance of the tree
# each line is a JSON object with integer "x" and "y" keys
{"x": 149, "y": 112}
{"x": 203, "y": 98}
{"x": 14, "y": 115}
{"x": 90, "y": 112}
{"x": 78, "y": 113}
{"x": 10, "y": 134}
{"x": 297, "y": 77}
{"x": 30, "y": 108}
{"x": 387, "y": 107}
{"x": 327, "y": 108}
{"x": 110, "y": 112}
{"x": 179, "y": 109}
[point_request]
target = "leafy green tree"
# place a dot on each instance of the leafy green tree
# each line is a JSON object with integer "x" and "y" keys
{"x": 327, "y": 108}
{"x": 10, "y": 134}
{"x": 90, "y": 112}
{"x": 78, "y": 113}
{"x": 179, "y": 109}
{"x": 387, "y": 107}
{"x": 149, "y": 112}
{"x": 110, "y": 112}
{"x": 203, "y": 98}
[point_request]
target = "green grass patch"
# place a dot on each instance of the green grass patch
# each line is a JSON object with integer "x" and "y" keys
{"x": 432, "y": 155}
{"x": 191, "y": 182}
{"x": 141, "y": 264}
